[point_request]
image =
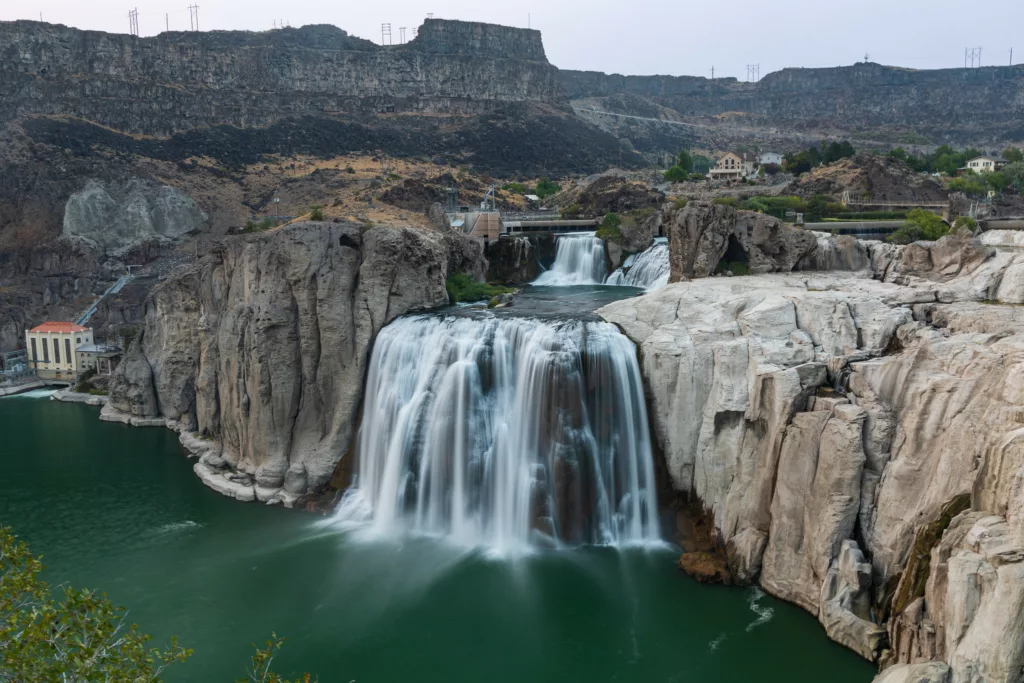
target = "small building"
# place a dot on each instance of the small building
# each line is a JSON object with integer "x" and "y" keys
{"x": 770, "y": 158}
{"x": 983, "y": 164}
{"x": 101, "y": 358}
{"x": 51, "y": 349}
{"x": 733, "y": 166}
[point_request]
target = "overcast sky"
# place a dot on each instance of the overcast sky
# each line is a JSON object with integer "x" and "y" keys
{"x": 626, "y": 36}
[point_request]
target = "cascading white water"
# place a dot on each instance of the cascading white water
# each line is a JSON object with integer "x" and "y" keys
{"x": 505, "y": 431}
{"x": 648, "y": 269}
{"x": 579, "y": 260}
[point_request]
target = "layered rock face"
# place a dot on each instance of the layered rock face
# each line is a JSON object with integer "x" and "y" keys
{"x": 263, "y": 346}
{"x": 958, "y": 105}
{"x": 179, "y": 81}
{"x": 117, "y": 217}
{"x": 854, "y": 442}
{"x": 702, "y": 234}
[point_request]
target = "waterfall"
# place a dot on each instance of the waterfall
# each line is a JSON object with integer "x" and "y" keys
{"x": 579, "y": 260}
{"x": 503, "y": 432}
{"x": 648, "y": 269}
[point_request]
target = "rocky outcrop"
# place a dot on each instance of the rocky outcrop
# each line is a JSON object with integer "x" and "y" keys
{"x": 262, "y": 347}
{"x": 869, "y": 176}
{"x": 848, "y": 422}
{"x": 956, "y": 105}
{"x": 115, "y": 218}
{"x": 179, "y": 81}
{"x": 703, "y": 234}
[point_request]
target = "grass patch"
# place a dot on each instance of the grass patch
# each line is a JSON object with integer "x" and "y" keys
{"x": 461, "y": 287}
{"x": 734, "y": 267}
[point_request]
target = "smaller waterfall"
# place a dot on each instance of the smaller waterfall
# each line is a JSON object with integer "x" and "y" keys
{"x": 579, "y": 260}
{"x": 648, "y": 269}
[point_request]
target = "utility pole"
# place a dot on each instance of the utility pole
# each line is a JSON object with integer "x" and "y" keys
{"x": 712, "y": 73}
{"x": 133, "y": 22}
{"x": 401, "y": 35}
{"x": 753, "y": 73}
{"x": 167, "y": 21}
{"x": 193, "y": 17}
{"x": 385, "y": 34}
{"x": 972, "y": 56}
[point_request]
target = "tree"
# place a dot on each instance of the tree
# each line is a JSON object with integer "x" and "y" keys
{"x": 1015, "y": 175}
{"x": 920, "y": 225}
{"x": 1013, "y": 155}
{"x": 685, "y": 161}
{"x": 546, "y": 187}
{"x": 676, "y": 174}
{"x": 81, "y": 637}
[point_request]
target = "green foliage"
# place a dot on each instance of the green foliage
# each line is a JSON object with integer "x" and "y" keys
{"x": 461, "y": 287}
{"x": 965, "y": 222}
{"x": 251, "y": 226}
{"x": 80, "y": 637}
{"x": 610, "y": 228}
{"x": 920, "y": 225}
{"x": 727, "y": 201}
{"x": 676, "y": 174}
{"x": 546, "y": 187}
{"x": 128, "y": 335}
{"x": 701, "y": 164}
{"x": 349, "y": 169}
{"x": 996, "y": 180}
{"x": 970, "y": 185}
{"x": 1015, "y": 175}
{"x": 259, "y": 666}
{"x": 1013, "y": 155}
{"x": 734, "y": 267}
{"x": 685, "y": 161}
{"x": 944, "y": 159}
{"x": 680, "y": 203}
{"x": 827, "y": 153}
{"x": 316, "y": 212}
{"x": 83, "y": 380}
{"x": 571, "y": 212}
{"x": 515, "y": 188}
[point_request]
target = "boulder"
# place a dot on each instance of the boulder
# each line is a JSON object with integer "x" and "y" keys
{"x": 932, "y": 672}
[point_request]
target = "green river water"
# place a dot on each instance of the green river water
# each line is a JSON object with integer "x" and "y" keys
{"x": 119, "y": 509}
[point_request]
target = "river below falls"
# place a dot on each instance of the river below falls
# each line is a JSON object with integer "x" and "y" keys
{"x": 119, "y": 509}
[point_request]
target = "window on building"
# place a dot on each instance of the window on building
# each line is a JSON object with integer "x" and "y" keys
{"x": 56, "y": 350}
{"x": 46, "y": 352}
{"x": 35, "y": 353}
{"x": 78, "y": 340}
{"x": 67, "y": 351}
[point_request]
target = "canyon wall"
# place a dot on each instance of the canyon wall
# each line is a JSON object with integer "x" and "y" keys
{"x": 983, "y": 105}
{"x": 184, "y": 80}
{"x": 261, "y": 348}
{"x": 854, "y": 441}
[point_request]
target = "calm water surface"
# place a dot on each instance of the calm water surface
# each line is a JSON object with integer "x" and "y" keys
{"x": 119, "y": 509}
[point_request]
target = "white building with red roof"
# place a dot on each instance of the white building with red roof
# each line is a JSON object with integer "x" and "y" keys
{"x": 52, "y": 349}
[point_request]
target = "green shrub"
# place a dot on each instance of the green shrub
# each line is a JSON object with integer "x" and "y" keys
{"x": 965, "y": 222}
{"x": 727, "y": 201}
{"x": 571, "y": 212}
{"x": 972, "y": 186}
{"x": 680, "y": 203}
{"x": 734, "y": 267}
{"x": 83, "y": 381}
{"x": 317, "y": 213}
{"x": 920, "y": 225}
{"x": 515, "y": 188}
{"x": 611, "y": 228}
{"x": 461, "y": 287}
{"x": 349, "y": 169}
{"x": 546, "y": 187}
{"x": 676, "y": 174}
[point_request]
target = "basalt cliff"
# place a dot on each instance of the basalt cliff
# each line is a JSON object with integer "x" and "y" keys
{"x": 852, "y": 440}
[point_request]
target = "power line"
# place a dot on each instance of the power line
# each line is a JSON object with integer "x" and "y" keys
{"x": 385, "y": 34}
{"x": 193, "y": 17}
{"x": 133, "y": 22}
{"x": 972, "y": 56}
{"x": 753, "y": 73}
{"x": 401, "y": 34}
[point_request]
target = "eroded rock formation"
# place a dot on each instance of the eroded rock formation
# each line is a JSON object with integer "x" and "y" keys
{"x": 262, "y": 346}
{"x": 858, "y": 437}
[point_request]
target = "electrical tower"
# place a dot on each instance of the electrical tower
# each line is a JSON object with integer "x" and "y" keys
{"x": 401, "y": 35}
{"x": 430, "y": 15}
{"x": 193, "y": 17}
{"x": 753, "y": 73}
{"x": 385, "y": 34}
{"x": 133, "y": 22}
{"x": 972, "y": 56}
